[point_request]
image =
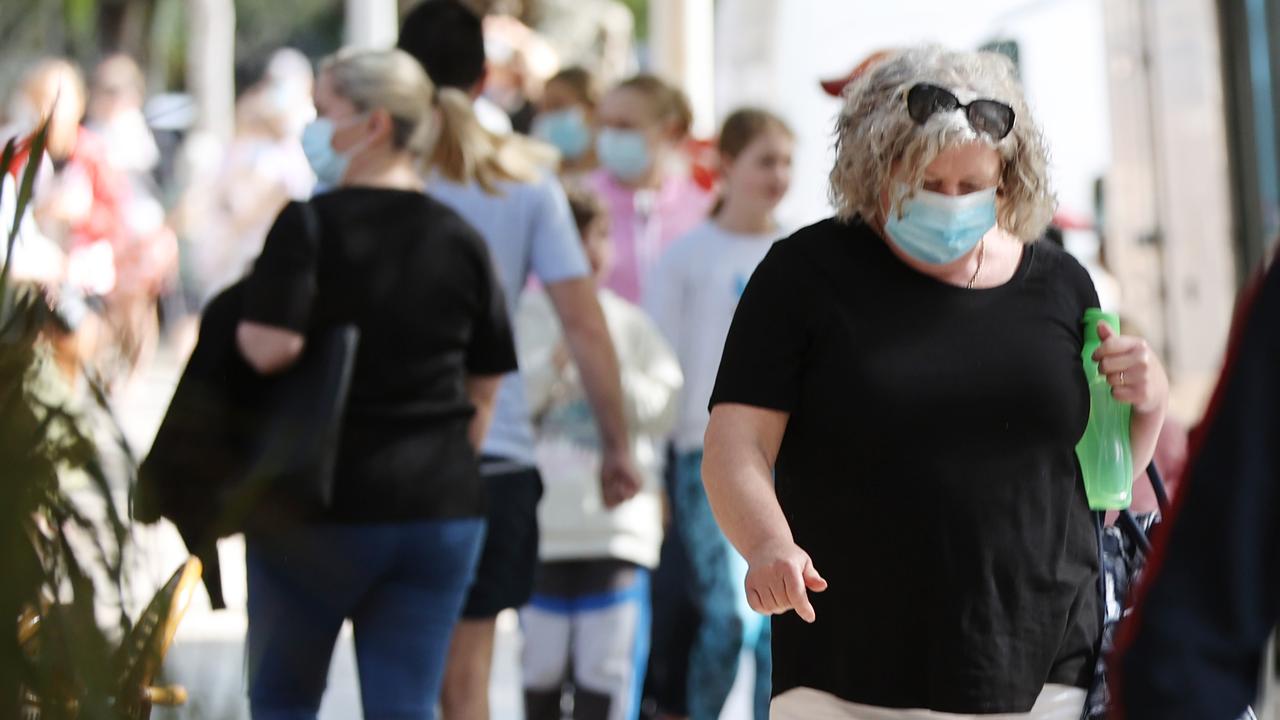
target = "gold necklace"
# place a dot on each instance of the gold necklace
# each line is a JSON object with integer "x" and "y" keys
{"x": 982, "y": 255}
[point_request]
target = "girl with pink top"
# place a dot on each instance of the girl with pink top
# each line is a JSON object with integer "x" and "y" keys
{"x": 643, "y": 180}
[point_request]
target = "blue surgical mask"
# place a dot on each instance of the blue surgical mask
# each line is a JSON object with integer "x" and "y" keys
{"x": 940, "y": 229}
{"x": 328, "y": 164}
{"x": 566, "y": 130}
{"x": 624, "y": 153}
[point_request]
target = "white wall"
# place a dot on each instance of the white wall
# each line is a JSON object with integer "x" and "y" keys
{"x": 372, "y": 24}
{"x": 1062, "y": 55}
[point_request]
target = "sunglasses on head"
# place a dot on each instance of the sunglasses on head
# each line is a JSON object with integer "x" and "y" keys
{"x": 985, "y": 116}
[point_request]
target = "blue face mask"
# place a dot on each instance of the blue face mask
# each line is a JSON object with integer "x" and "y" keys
{"x": 566, "y": 130}
{"x": 940, "y": 229}
{"x": 328, "y": 164}
{"x": 624, "y": 153}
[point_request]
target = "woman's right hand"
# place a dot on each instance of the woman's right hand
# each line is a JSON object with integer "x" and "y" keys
{"x": 779, "y": 579}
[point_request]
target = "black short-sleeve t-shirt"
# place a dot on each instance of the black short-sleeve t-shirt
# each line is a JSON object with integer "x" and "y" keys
{"x": 928, "y": 467}
{"x": 418, "y": 282}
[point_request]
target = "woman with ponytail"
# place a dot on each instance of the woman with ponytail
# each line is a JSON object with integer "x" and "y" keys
{"x": 692, "y": 296}
{"x": 506, "y": 187}
{"x": 398, "y": 549}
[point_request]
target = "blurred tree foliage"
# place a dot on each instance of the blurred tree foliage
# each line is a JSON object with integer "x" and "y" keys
{"x": 154, "y": 32}
{"x": 640, "y": 8}
{"x": 529, "y": 11}
{"x": 312, "y": 26}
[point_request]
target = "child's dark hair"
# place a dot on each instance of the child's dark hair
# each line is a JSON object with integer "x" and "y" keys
{"x": 743, "y": 126}
{"x": 586, "y": 207}
{"x": 739, "y": 130}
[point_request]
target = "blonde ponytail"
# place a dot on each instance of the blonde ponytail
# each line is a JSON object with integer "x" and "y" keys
{"x": 451, "y": 140}
{"x": 422, "y": 141}
{"x": 466, "y": 152}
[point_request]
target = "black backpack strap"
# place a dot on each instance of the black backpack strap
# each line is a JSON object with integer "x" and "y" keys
{"x": 1128, "y": 522}
{"x": 1157, "y": 484}
{"x": 310, "y": 222}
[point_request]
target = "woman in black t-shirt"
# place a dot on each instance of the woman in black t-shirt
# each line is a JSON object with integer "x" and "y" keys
{"x": 398, "y": 550}
{"x": 896, "y": 413}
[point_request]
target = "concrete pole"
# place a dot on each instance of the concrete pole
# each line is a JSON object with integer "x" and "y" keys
{"x": 683, "y": 48}
{"x": 210, "y": 65}
{"x": 1168, "y": 212}
{"x": 747, "y": 54}
{"x": 372, "y": 24}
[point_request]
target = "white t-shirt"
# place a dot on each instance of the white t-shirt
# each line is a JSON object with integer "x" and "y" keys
{"x": 35, "y": 257}
{"x": 692, "y": 295}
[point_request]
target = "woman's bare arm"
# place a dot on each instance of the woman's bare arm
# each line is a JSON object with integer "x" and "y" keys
{"x": 740, "y": 450}
{"x": 269, "y": 349}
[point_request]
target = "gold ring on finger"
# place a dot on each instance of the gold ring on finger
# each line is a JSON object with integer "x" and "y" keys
{"x": 1122, "y": 377}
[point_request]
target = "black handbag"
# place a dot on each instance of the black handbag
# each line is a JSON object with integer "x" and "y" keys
{"x": 291, "y": 447}
{"x": 239, "y": 451}
{"x": 294, "y": 426}
{"x": 1125, "y": 548}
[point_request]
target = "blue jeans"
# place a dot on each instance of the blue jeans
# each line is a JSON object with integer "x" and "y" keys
{"x": 728, "y": 625}
{"x": 401, "y": 584}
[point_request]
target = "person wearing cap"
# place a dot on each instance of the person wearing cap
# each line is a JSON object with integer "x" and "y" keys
{"x": 893, "y": 425}
{"x": 835, "y": 86}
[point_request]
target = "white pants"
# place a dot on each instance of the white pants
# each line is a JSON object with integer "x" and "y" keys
{"x": 605, "y": 639}
{"x": 1056, "y": 702}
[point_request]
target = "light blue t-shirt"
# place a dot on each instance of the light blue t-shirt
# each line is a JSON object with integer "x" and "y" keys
{"x": 530, "y": 230}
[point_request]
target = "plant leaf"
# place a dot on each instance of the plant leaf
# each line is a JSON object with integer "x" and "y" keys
{"x": 28, "y": 182}
{"x": 6, "y": 163}
{"x": 34, "y": 158}
{"x": 6, "y": 159}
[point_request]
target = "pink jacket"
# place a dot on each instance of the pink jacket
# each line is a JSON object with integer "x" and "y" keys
{"x": 643, "y": 223}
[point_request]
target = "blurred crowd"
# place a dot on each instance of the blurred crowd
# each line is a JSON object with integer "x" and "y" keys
{"x": 140, "y": 218}
{"x": 137, "y": 217}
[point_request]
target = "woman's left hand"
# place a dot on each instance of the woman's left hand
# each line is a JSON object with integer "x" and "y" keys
{"x": 1133, "y": 370}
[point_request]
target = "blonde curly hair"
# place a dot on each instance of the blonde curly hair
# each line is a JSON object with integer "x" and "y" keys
{"x": 875, "y": 138}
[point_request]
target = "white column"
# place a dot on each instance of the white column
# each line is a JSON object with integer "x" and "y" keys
{"x": 683, "y": 49}
{"x": 210, "y": 76}
{"x": 1168, "y": 210}
{"x": 372, "y": 24}
{"x": 746, "y": 52}
{"x": 1191, "y": 155}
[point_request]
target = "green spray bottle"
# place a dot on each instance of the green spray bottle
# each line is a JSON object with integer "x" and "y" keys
{"x": 1106, "y": 457}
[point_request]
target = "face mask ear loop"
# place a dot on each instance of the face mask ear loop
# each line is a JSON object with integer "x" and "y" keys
{"x": 362, "y": 144}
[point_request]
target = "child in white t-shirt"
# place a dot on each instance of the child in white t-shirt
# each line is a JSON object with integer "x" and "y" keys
{"x": 590, "y": 608}
{"x": 692, "y": 295}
